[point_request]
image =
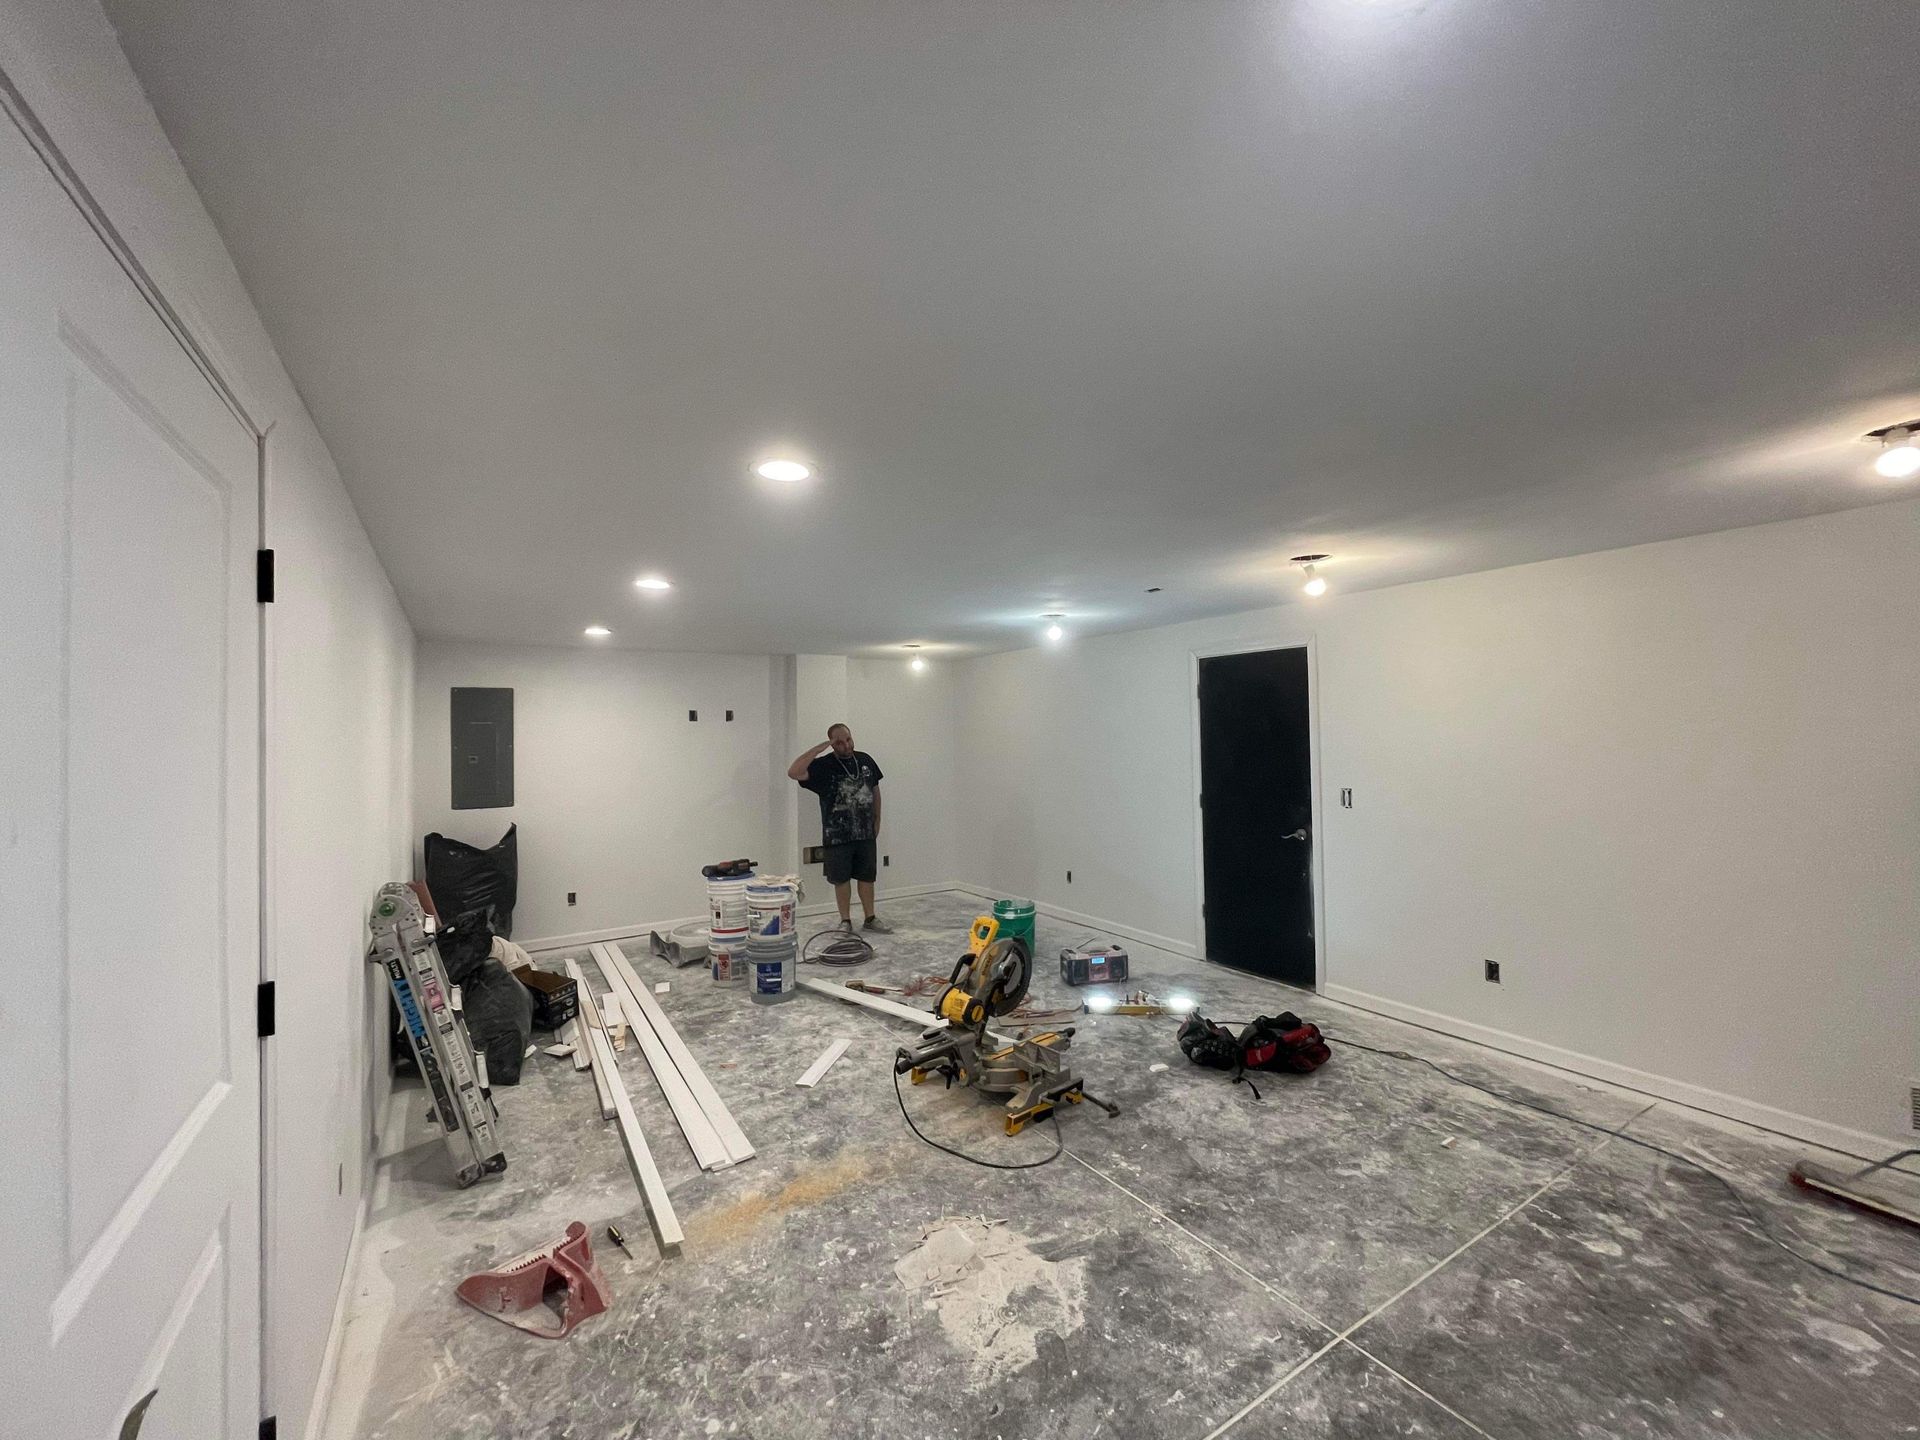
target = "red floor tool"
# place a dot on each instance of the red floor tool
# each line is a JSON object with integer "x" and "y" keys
{"x": 1867, "y": 1188}
{"x": 518, "y": 1291}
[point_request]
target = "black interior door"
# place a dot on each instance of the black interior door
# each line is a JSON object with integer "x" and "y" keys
{"x": 1256, "y": 798}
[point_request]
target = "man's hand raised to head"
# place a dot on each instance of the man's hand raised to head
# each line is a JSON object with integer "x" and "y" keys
{"x": 798, "y": 769}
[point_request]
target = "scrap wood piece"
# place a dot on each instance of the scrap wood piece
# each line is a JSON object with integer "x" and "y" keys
{"x": 708, "y": 1148}
{"x": 613, "y": 1018}
{"x": 738, "y": 1146}
{"x": 570, "y": 1035}
{"x": 590, "y": 1027}
{"x": 653, "y": 1190}
{"x": 820, "y": 1067}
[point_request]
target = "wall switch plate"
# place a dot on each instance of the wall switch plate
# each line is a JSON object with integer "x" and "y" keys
{"x": 572, "y": 898}
{"x": 1346, "y": 798}
{"x": 1493, "y": 971}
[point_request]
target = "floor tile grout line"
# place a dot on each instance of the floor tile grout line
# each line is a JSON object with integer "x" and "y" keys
{"x": 1417, "y": 1389}
{"x": 1272, "y": 1390}
{"x": 1428, "y": 1274}
{"x": 1207, "y": 1245}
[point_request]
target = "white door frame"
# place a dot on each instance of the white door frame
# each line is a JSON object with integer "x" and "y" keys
{"x": 1318, "y": 871}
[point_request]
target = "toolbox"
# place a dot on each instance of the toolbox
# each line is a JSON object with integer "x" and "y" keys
{"x": 1093, "y": 964}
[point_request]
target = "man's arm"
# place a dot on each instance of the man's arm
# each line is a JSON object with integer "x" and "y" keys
{"x": 876, "y": 812}
{"x": 798, "y": 769}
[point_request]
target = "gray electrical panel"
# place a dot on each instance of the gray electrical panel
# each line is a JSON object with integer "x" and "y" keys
{"x": 482, "y": 748}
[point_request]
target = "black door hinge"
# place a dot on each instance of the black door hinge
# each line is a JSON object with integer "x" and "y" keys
{"x": 263, "y": 1009}
{"x": 263, "y": 576}
{"x": 270, "y": 1428}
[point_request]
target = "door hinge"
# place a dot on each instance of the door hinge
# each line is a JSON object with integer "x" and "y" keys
{"x": 263, "y": 576}
{"x": 263, "y": 1009}
{"x": 270, "y": 1428}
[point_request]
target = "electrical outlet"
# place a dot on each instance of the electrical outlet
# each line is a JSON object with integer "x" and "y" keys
{"x": 693, "y": 714}
{"x": 885, "y": 860}
{"x": 729, "y": 717}
{"x": 1069, "y": 877}
{"x": 572, "y": 898}
{"x": 1493, "y": 971}
{"x": 1346, "y": 797}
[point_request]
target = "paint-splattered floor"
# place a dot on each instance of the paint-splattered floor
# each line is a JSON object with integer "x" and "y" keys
{"x": 1372, "y": 1250}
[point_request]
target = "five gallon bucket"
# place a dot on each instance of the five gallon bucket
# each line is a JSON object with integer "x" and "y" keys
{"x": 1016, "y": 918}
{"x": 727, "y": 902}
{"x": 727, "y": 955}
{"x": 772, "y": 965}
{"x": 770, "y": 910}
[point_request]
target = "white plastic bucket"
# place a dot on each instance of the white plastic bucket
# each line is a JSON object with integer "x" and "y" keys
{"x": 727, "y": 956}
{"x": 727, "y": 902}
{"x": 770, "y": 911}
{"x": 771, "y": 977}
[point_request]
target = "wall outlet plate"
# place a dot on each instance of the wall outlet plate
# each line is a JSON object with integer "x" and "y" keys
{"x": 1493, "y": 971}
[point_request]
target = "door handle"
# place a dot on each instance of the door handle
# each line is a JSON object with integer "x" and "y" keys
{"x": 1300, "y": 834}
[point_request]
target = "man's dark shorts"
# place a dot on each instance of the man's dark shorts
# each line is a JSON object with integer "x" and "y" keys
{"x": 855, "y": 861}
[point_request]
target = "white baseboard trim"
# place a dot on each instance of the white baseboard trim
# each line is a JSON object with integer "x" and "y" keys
{"x": 1094, "y": 922}
{"x": 638, "y": 929}
{"x": 1661, "y": 1087}
{"x": 342, "y": 1302}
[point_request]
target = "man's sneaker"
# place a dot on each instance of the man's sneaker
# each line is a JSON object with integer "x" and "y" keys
{"x": 845, "y": 927}
{"x": 877, "y": 925}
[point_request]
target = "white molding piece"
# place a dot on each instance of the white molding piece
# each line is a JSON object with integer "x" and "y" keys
{"x": 703, "y": 1139}
{"x": 637, "y": 930}
{"x": 570, "y": 1035}
{"x": 731, "y": 1136}
{"x": 646, "y": 1176}
{"x": 1858, "y": 1143}
{"x": 1093, "y": 922}
{"x": 925, "y": 1019}
{"x": 342, "y": 1303}
{"x": 590, "y": 1027}
{"x": 825, "y": 1063}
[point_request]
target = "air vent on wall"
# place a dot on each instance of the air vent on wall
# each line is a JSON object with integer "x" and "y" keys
{"x": 1913, "y": 1107}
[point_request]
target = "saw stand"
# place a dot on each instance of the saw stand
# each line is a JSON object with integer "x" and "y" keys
{"x": 429, "y": 1006}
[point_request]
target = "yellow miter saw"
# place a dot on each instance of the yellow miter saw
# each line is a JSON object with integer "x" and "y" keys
{"x": 988, "y": 982}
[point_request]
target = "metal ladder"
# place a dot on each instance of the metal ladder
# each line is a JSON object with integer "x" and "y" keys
{"x": 429, "y": 1006}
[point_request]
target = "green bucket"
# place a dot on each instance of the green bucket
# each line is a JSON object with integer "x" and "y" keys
{"x": 1016, "y": 918}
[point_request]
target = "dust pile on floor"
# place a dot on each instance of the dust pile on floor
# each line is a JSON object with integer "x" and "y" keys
{"x": 995, "y": 1295}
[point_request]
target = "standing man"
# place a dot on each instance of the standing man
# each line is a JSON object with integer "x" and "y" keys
{"x": 848, "y": 784}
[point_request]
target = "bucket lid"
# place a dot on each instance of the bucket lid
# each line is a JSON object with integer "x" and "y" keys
{"x": 1012, "y": 907}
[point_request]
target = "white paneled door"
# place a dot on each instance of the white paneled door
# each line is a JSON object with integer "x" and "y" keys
{"x": 129, "y": 832}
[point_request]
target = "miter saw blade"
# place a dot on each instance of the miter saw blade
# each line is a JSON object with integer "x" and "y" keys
{"x": 1012, "y": 955}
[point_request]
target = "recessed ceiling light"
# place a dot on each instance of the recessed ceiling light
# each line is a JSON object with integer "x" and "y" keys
{"x": 1316, "y": 584}
{"x": 653, "y": 582}
{"x": 597, "y": 632}
{"x": 1055, "y": 633}
{"x": 1899, "y": 452}
{"x": 790, "y": 471}
{"x": 919, "y": 662}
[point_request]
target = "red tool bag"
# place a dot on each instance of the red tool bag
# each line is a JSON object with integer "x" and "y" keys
{"x": 1272, "y": 1042}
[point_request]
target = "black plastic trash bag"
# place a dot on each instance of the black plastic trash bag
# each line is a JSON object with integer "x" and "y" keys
{"x": 497, "y": 1008}
{"x": 463, "y": 878}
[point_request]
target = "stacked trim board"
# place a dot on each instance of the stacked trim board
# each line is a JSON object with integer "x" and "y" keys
{"x": 715, "y": 1138}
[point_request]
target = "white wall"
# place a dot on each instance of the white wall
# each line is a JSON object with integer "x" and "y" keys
{"x": 909, "y": 723}
{"x": 339, "y": 692}
{"x": 1674, "y": 789}
{"x": 618, "y": 796}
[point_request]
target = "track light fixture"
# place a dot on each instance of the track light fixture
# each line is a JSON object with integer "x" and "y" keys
{"x": 1899, "y": 451}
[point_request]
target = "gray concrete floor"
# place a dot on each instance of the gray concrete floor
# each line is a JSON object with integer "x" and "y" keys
{"x": 1317, "y": 1262}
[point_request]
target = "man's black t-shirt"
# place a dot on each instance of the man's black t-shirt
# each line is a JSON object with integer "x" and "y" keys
{"x": 845, "y": 788}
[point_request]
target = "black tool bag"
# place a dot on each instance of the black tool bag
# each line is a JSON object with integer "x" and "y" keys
{"x": 1272, "y": 1042}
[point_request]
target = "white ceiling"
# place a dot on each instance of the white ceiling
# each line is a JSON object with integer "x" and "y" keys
{"x": 1067, "y": 297}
